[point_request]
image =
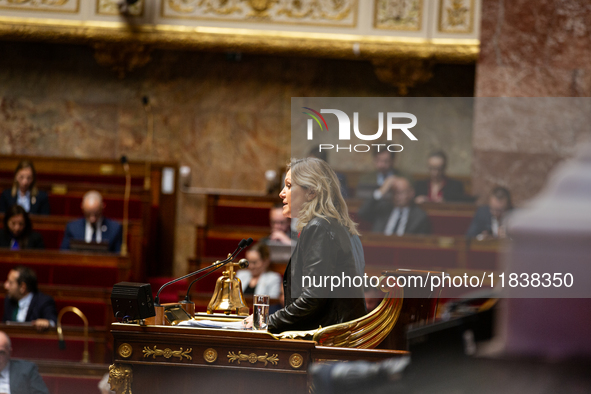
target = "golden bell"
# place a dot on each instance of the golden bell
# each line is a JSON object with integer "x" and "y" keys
{"x": 227, "y": 296}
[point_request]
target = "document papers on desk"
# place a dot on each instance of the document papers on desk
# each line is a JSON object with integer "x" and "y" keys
{"x": 228, "y": 325}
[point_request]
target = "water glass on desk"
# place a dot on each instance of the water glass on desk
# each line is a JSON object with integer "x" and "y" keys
{"x": 260, "y": 316}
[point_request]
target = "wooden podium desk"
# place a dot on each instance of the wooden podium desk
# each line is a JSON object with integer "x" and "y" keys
{"x": 167, "y": 359}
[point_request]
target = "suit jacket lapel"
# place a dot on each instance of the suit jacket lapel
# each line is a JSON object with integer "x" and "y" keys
{"x": 31, "y": 307}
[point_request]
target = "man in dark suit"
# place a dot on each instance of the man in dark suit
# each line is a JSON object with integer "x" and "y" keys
{"x": 489, "y": 220}
{"x": 94, "y": 228}
{"x": 395, "y": 215}
{"x": 439, "y": 188}
{"x": 18, "y": 376}
{"x": 384, "y": 168}
{"x": 24, "y": 302}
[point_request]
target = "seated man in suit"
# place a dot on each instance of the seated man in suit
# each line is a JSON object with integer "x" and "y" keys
{"x": 94, "y": 227}
{"x": 439, "y": 188}
{"x": 18, "y": 376}
{"x": 489, "y": 220}
{"x": 24, "y": 302}
{"x": 384, "y": 168}
{"x": 280, "y": 226}
{"x": 395, "y": 215}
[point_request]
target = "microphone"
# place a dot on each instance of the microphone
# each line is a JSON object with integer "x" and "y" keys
{"x": 241, "y": 245}
{"x": 243, "y": 263}
{"x": 125, "y": 164}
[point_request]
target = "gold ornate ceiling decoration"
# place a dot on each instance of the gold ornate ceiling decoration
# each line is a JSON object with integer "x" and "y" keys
{"x": 382, "y": 31}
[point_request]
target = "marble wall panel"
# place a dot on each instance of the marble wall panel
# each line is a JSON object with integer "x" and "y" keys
{"x": 520, "y": 172}
{"x": 529, "y": 49}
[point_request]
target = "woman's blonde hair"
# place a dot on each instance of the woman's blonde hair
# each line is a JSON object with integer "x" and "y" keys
{"x": 21, "y": 165}
{"x": 316, "y": 176}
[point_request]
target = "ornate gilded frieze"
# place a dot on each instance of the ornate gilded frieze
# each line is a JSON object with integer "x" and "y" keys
{"x": 341, "y": 13}
{"x": 167, "y": 353}
{"x": 398, "y": 14}
{"x": 70, "y": 6}
{"x": 253, "y": 358}
{"x": 112, "y": 7}
{"x": 456, "y": 16}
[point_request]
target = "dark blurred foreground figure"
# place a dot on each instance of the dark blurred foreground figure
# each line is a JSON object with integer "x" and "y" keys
{"x": 24, "y": 192}
{"x": 359, "y": 377}
{"x": 439, "y": 188}
{"x": 18, "y": 376}
{"x": 489, "y": 220}
{"x": 25, "y": 303}
{"x": 18, "y": 231}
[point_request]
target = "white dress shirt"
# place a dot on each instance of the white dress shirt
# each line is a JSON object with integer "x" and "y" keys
{"x": 23, "y": 308}
{"x": 88, "y": 231}
{"x": 397, "y": 220}
{"x": 5, "y": 379}
{"x": 24, "y": 201}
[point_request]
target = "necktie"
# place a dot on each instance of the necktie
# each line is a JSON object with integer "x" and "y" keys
{"x": 14, "y": 245}
{"x": 93, "y": 239}
{"x": 14, "y": 312}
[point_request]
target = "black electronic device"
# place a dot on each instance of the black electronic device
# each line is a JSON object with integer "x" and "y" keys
{"x": 132, "y": 301}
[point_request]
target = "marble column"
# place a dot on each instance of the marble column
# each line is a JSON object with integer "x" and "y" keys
{"x": 529, "y": 49}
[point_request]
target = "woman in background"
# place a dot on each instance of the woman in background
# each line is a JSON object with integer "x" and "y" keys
{"x": 18, "y": 232}
{"x": 257, "y": 279}
{"x": 24, "y": 192}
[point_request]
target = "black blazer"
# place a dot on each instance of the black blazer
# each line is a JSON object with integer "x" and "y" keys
{"x": 35, "y": 240}
{"x": 453, "y": 190}
{"x": 482, "y": 221}
{"x": 42, "y": 307}
{"x": 378, "y": 213}
{"x": 324, "y": 248}
{"x": 39, "y": 203}
{"x": 25, "y": 378}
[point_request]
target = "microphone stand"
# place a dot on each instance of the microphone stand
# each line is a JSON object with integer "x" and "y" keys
{"x": 241, "y": 246}
{"x": 125, "y": 205}
{"x": 213, "y": 268}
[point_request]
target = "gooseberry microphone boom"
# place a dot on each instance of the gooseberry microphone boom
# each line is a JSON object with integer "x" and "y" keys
{"x": 241, "y": 246}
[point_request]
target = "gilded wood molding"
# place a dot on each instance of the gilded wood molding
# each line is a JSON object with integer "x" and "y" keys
{"x": 340, "y": 46}
{"x": 167, "y": 353}
{"x": 252, "y": 358}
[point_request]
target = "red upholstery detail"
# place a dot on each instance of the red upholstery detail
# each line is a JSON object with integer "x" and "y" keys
{"x": 52, "y": 239}
{"x": 219, "y": 248}
{"x": 69, "y": 275}
{"x": 483, "y": 260}
{"x": 240, "y": 216}
{"x": 449, "y": 225}
{"x": 48, "y": 349}
{"x": 169, "y": 294}
{"x": 71, "y": 384}
{"x": 408, "y": 257}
